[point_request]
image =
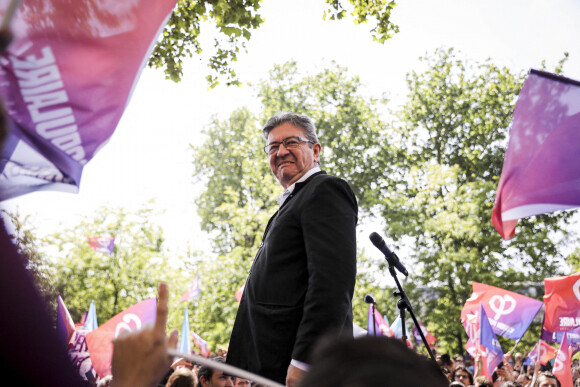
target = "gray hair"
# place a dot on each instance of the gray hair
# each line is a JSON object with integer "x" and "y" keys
{"x": 300, "y": 120}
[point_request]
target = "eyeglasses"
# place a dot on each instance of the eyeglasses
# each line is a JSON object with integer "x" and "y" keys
{"x": 289, "y": 143}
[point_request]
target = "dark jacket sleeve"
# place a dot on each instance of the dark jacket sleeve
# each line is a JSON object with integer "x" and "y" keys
{"x": 328, "y": 223}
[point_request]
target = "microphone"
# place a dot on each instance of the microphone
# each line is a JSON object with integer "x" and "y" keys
{"x": 369, "y": 299}
{"x": 391, "y": 257}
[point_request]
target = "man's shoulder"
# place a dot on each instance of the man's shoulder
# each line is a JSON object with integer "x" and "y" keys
{"x": 322, "y": 178}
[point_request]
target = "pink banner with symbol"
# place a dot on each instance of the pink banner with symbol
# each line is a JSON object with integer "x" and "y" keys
{"x": 540, "y": 171}
{"x": 563, "y": 365}
{"x": 510, "y": 314}
{"x": 100, "y": 341}
{"x": 65, "y": 81}
{"x": 562, "y": 299}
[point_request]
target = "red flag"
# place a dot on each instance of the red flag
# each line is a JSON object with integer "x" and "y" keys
{"x": 563, "y": 364}
{"x": 100, "y": 341}
{"x": 542, "y": 352}
{"x": 240, "y": 292}
{"x": 540, "y": 172}
{"x": 562, "y": 299}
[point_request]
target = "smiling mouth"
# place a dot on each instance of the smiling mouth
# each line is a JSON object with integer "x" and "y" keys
{"x": 284, "y": 163}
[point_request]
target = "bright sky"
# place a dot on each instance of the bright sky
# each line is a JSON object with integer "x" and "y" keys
{"x": 149, "y": 156}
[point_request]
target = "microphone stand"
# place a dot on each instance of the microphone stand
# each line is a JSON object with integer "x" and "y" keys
{"x": 374, "y": 322}
{"x": 405, "y": 305}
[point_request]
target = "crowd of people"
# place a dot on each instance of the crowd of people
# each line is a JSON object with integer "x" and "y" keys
{"x": 512, "y": 372}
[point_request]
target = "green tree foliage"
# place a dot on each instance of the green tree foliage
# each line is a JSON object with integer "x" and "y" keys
{"x": 130, "y": 275}
{"x": 454, "y": 129}
{"x": 235, "y": 20}
{"x": 38, "y": 265}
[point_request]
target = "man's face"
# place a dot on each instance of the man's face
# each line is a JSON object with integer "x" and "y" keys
{"x": 241, "y": 382}
{"x": 289, "y": 165}
{"x": 218, "y": 379}
{"x": 544, "y": 381}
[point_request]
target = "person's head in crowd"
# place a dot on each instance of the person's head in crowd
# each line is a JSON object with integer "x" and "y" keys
{"x": 510, "y": 383}
{"x": 239, "y": 382}
{"x": 369, "y": 361}
{"x": 182, "y": 363}
{"x": 459, "y": 360}
{"x": 524, "y": 380}
{"x": 105, "y": 382}
{"x": 208, "y": 377}
{"x": 547, "y": 379}
{"x": 183, "y": 377}
{"x": 461, "y": 374}
{"x": 482, "y": 381}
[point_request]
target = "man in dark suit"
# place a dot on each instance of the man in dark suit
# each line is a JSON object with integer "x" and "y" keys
{"x": 301, "y": 283}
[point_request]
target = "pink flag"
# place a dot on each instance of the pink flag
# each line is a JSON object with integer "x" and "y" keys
{"x": 201, "y": 344}
{"x": 428, "y": 335}
{"x": 79, "y": 355}
{"x": 100, "y": 341}
{"x": 193, "y": 291}
{"x": 563, "y": 364}
{"x": 510, "y": 314}
{"x": 65, "y": 326}
{"x": 542, "y": 352}
{"x": 102, "y": 244}
{"x": 562, "y": 299}
{"x": 381, "y": 327}
{"x": 240, "y": 292}
{"x": 65, "y": 81}
{"x": 540, "y": 171}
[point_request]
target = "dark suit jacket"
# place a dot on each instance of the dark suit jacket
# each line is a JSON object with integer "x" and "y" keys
{"x": 302, "y": 280}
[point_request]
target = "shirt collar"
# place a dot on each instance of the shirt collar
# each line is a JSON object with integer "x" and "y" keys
{"x": 290, "y": 189}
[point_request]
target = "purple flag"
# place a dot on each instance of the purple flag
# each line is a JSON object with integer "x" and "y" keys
{"x": 510, "y": 314}
{"x": 65, "y": 81}
{"x": 489, "y": 344}
{"x": 540, "y": 171}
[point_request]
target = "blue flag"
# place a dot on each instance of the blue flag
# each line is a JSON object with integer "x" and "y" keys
{"x": 490, "y": 347}
{"x": 184, "y": 341}
{"x": 91, "y": 321}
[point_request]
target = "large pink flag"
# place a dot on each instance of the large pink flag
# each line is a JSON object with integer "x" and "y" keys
{"x": 65, "y": 81}
{"x": 540, "y": 171}
{"x": 510, "y": 314}
{"x": 562, "y": 299}
{"x": 100, "y": 341}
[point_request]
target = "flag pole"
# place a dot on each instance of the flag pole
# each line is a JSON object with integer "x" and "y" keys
{"x": 9, "y": 15}
{"x": 226, "y": 368}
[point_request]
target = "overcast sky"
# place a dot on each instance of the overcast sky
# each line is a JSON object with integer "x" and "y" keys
{"x": 149, "y": 155}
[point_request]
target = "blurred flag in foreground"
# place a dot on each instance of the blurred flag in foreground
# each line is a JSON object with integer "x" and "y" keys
{"x": 491, "y": 352}
{"x": 510, "y": 314}
{"x": 65, "y": 326}
{"x": 102, "y": 244}
{"x": 100, "y": 341}
{"x": 540, "y": 172}
{"x": 65, "y": 81}
{"x": 563, "y": 364}
{"x": 185, "y": 341}
{"x": 562, "y": 299}
{"x": 193, "y": 291}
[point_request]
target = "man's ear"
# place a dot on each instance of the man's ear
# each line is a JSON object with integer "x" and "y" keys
{"x": 203, "y": 381}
